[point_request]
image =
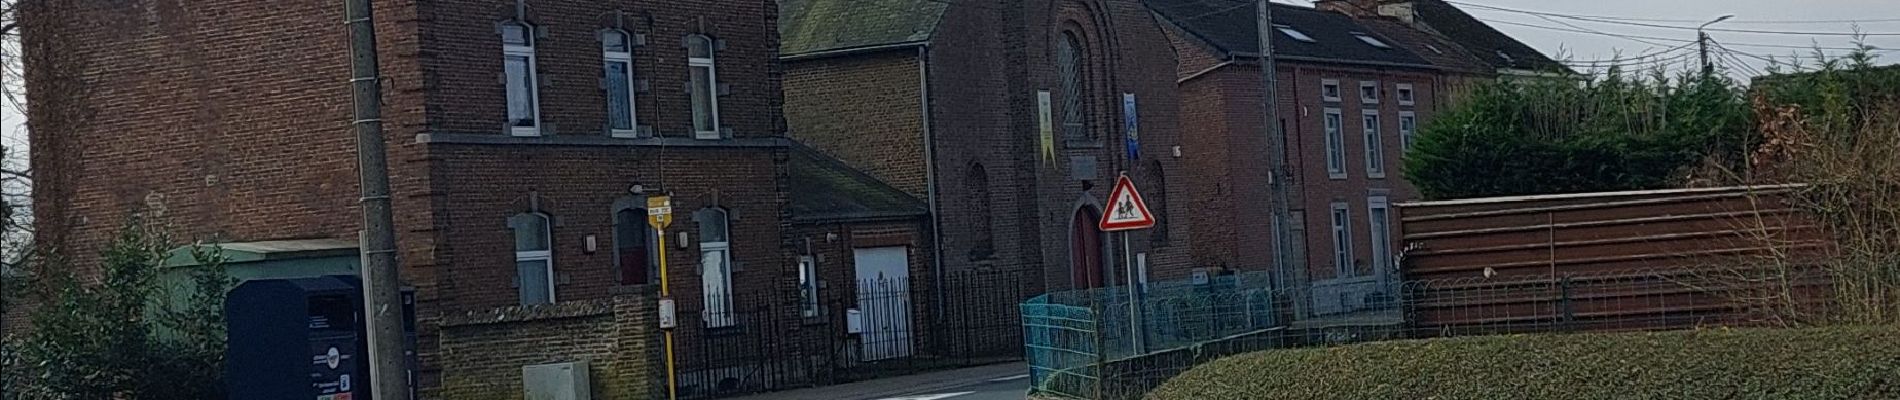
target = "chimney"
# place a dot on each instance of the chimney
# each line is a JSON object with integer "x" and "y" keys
{"x": 1355, "y": 8}
{"x": 1400, "y": 9}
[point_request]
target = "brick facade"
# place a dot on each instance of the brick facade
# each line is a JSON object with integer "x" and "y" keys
{"x": 1226, "y": 102}
{"x": 999, "y": 205}
{"x": 231, "y": 119}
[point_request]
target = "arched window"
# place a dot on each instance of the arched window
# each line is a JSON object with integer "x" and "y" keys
{"x": 616, "y": 52}
{"x": 524, "y": 109}
{"x": 1072, "y": 70}
{"x": 636, "y": 253}
{"x": 705, "y": 81}
{"x": 982, "y": 236}
{"x": 534, "y": 258}
{"x": 1158, "y": 203}
{"x": 715, "y": 266}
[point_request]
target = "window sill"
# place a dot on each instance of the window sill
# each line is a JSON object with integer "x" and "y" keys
{"x": 1336, "y": 177}
{"x": 729, "y": 330}
{"x": 594, "y": 140}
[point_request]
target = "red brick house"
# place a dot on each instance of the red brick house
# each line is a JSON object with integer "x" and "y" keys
{"x": 523, "y": 138}
{"x": 943, "y": 100}
{"x": 1352, "y": 93}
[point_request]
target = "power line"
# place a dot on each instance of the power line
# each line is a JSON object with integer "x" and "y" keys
{"x": 1678, "y": 40}
{"x": 1602, "y": 32}
{"x": 1603, "y": 20}
{"x": 1640, "y": 59}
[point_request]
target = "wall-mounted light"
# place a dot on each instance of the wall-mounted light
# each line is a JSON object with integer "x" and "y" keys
{"x": 682, "y": 241}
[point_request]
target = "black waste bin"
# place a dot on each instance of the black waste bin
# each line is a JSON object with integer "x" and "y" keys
{"x": 295, "y": 339}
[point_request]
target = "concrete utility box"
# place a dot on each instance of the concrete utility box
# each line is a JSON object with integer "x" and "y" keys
{"x": 562, "y": 381}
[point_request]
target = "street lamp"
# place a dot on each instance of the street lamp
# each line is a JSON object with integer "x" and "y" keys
{"x": 1702, "y": 39}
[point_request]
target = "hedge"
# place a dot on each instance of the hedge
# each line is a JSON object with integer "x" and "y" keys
{"x": 1831, "y": 363}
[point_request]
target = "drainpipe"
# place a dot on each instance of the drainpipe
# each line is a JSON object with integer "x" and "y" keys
{"x": 930, "y": 175}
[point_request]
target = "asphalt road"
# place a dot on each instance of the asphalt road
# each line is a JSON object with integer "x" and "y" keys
{"x": 1007, "y": 388}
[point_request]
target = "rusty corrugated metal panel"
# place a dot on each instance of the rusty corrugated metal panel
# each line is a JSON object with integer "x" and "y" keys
{"x": 1604, "y": 261}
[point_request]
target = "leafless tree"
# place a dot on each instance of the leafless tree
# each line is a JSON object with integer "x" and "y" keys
{"x": 16, "y": 181}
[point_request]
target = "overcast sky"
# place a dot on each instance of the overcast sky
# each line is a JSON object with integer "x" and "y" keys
{"x": 1763, "y": 15}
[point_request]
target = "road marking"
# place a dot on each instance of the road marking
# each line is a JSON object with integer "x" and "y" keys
{"x": 1009, "y": 378}
{"x": 930, "y": 396}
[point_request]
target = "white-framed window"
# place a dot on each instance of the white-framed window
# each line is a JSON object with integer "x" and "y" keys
{"x": 524, "y": 103}
{"x": 534, "y": 258}
{"x": 1375, "y": 145}
{"x": 1294, "y": 33}
{"x": 715, "y": 267}
{"x": 1373, "y": 41}
{"x": 1342, "y": 241}
{"x": 1408, "y": 128}
{"x": 1405, "y": 94}
{"x": 616, "y": 53}
{"x": 1369, "y": 92}
{"x": 705, "y": 86}
{"x": 1335, "y": 144}
{"x": 1378, "y": 219}
{"x": 807, "y": 286}
{"x": 1329, "y": 90}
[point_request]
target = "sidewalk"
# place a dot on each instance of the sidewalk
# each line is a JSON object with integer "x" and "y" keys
{"x": 894, "y": 386}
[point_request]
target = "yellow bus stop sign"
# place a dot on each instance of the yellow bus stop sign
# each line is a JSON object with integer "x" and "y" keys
{"x": 660, "y": 211}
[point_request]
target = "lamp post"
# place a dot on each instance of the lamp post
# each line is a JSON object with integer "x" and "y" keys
{"x": 1702, "y": 39}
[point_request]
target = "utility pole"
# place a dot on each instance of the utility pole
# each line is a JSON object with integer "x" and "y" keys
{"x": 1702, "y": 41}
{"x": 382, "y": 294}
{"x": 1277, "y": 175}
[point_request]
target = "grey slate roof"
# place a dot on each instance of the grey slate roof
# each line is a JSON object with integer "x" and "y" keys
{"x": 1484, "y": 42}
{"x": 811, "y": 26}
{"x": 1434, "y": 48}
{"x": 824, "y": 189}
{"x": 1229, "y": 26}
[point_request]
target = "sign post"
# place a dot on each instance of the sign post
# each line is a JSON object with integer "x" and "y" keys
{"x": 660, "y": 215}
{"x": 1127, "y": 212}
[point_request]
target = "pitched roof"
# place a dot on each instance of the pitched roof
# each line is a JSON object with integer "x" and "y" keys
{"x": 1231, "y": 30}
{"x": 1434, "y": 48}
{"x": 810, "y": 26}
{"x": 824, "y": 189}
{"x": 1495, "y": 48}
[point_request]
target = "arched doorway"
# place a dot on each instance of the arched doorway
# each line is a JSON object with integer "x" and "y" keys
{"x": 1086, "y": 249}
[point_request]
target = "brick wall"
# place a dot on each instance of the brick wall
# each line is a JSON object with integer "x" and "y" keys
{"x": 483, "y": 352}
{"x": 463, "y": 64}
{"x": 978, "y": 72}
{"x": 864, "y": 109}
{"x": 213, "y": 114}
{"x": 230, "y": 118}
{"x": 1226, "y": 101}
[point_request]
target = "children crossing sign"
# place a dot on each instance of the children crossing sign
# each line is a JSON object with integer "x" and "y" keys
{"x": 1126, "y": 211}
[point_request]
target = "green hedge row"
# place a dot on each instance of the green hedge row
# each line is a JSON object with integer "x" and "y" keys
{"x": 1832, "y": 363}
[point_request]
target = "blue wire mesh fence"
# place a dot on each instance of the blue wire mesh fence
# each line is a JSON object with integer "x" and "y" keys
{"x": 1095, "y": 343}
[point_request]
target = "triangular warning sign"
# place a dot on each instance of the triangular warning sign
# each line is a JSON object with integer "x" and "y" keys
{"x": 1126, "y": 211}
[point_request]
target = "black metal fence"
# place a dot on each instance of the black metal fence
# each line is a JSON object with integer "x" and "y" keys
{"x": 773, "y": 340}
